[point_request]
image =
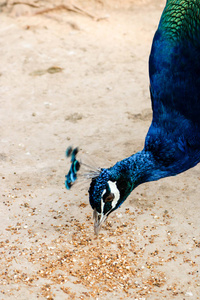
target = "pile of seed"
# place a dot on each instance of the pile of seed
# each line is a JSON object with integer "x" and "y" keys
{"x": 124, "y": 261}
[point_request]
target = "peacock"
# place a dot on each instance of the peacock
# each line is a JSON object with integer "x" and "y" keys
{"x": 172, "y": 143}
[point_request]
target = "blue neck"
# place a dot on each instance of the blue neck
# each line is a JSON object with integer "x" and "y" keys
{"x": 140, "y": 167}
{"x": 143, "y": 167}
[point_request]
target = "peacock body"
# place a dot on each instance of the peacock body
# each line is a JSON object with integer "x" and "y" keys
{"x": 172, "y": 144}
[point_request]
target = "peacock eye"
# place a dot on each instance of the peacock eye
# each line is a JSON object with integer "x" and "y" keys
{"x": 109, "y": 198}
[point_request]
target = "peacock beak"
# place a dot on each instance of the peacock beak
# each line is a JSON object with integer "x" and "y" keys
{"x": 99, "y": 219}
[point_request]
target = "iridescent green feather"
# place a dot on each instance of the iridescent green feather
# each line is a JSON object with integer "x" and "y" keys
{"x": 181, "y": 20}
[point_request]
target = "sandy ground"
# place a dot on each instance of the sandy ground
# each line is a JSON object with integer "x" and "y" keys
{"x": 67, "y": 79}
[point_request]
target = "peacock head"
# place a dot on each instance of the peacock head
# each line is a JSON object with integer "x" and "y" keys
{"x": 108, "y": 189}
{"x": 106, "y": 193}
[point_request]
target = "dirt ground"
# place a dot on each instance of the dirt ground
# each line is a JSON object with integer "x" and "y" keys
{"x": 72, "y": 78}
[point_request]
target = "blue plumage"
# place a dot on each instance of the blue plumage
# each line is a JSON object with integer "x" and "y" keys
{"x": 172, "y": 144}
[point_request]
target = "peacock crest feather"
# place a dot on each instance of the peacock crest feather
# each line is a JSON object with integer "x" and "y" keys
{"x": 79, "y": 169}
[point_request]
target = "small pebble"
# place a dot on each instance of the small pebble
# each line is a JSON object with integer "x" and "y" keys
{"x": 189, "y": 294}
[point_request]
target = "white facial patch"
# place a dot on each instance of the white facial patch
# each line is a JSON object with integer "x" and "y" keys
{"x": 102, "y": 202}
{"x": 114, "y": 190}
